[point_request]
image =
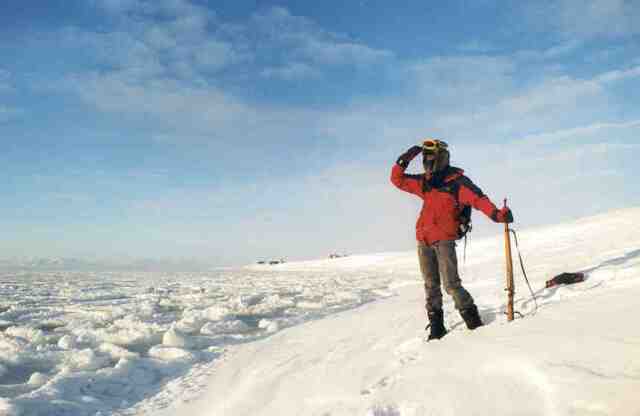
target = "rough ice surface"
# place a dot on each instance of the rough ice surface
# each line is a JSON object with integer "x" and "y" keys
{"x": 250, "y": 341}
{"x": 79, "y": 343}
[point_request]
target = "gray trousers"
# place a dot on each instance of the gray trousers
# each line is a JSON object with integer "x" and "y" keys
{"x": 438, "y": 262}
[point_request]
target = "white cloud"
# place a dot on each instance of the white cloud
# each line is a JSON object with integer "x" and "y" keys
{"x": 303, "y": 39}
{"x": 492, "y": 101}
{"x": 191, "y": 27}
{"x": 163, "y": 8}
{"x": 278, "y": 23}
{"x": 619, "y": 75}
{"x": 562, "y": 48}
{"x": 118, "y": 6}
{"x": 159, "y": 38}
{"x": 552, "y": 93}
{"x": 354, "y": 196}
{"x": 587, "y": 18}
{"x": 550, "y": 182}
{"x": 340, "y": 53}
{"x": 543, "y": 183}
{"x": 117, "y": 51}
{"x": 191, "y": 42}
{"x": 601, "y": 17}
{"x": 581, "y": 132}
{"x": 556, "y": 51}
{"x": 214, "y": 55}
{"x": 179, "y": 112}
{"x": 142, "y": 48}
{"x": 155, "y": 75}
{"x": 449, "y": 79}
{"x": 164, "y": 98}
{"x": 163, "y": 72}
{"x": 292, "y": 71}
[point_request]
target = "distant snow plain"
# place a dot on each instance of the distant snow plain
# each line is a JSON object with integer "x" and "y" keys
{"x": 333, "y": 337}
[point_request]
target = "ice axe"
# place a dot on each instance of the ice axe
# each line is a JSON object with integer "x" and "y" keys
{"x": 510, "y": 286}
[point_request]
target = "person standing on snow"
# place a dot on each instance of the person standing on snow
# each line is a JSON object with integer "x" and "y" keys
{"x": 445, "y": 192}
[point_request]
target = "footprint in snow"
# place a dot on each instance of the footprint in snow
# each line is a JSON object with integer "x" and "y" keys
{"x": 389, "y": 410}
{"x": 406, "y": 352}
{"x": 382, "y": 383}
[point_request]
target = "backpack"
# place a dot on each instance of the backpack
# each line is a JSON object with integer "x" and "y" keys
{"x": 465, "y": 222}
{"x": 565, "y": 278}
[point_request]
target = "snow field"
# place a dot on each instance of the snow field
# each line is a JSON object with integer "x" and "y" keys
{"x": 228, "y": 342}
{"x": 578, "y": 354}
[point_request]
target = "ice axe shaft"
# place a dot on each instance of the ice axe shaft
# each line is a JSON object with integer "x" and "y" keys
{"x": 510, "y": 287}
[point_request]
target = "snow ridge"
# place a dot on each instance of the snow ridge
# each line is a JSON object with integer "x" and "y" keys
{"x": 576, "y": 355}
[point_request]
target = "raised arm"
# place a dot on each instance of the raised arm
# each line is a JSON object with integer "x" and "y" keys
{"x": 407, "y": 183}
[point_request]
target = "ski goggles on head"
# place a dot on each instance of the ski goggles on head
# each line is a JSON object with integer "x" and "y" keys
{"x": 433, "y": 146}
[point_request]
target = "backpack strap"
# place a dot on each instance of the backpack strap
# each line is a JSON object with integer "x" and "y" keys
{"x": 465, "y": 210}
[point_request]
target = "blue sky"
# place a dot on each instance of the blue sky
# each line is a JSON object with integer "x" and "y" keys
{"x": 231, "y": 131}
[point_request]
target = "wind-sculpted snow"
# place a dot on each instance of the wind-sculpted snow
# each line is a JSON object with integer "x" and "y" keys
{"x": 98, "y": 343}
{"x": 577, "y": 354}
{"x": 215, "y": 344}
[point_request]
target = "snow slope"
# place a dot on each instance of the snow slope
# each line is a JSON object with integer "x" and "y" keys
{"x": 87, "y": 343}
{"x": 578, "y": 354}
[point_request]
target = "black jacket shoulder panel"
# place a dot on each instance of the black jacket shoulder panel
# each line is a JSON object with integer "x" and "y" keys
{"x": 466, "y": 182}
{"x": 452, "y": 170}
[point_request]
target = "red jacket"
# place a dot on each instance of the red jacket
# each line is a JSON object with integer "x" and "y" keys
{"x": 439, "y": 217}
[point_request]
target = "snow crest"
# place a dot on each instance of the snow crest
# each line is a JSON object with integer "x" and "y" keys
{"x": 576, "y": 354}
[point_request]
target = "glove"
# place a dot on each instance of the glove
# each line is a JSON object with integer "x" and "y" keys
{"x": 503, "y": 215}
{"x": 408, "y": 156}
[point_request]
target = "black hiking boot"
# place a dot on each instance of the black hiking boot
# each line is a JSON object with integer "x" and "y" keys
{"x": 436, "y": 324}
{"x": 471, "y": 317}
